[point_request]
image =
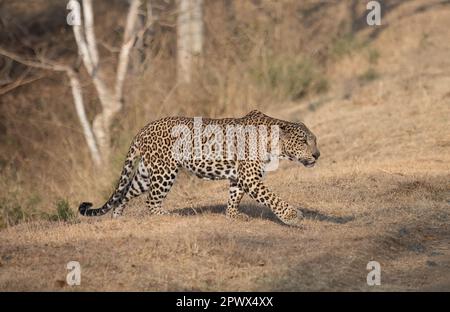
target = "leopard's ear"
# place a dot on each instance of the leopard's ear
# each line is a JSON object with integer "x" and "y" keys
{"x": 283, "y": 132}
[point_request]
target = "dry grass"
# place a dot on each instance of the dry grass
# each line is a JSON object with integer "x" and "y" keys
{"x": 380, "y": 191}
{"x": 353, "y": 217}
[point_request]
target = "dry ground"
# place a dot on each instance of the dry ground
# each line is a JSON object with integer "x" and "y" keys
{"x": 380, "y": 192}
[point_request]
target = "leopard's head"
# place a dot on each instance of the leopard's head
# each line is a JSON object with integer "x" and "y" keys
{"x": 298, "y": 143}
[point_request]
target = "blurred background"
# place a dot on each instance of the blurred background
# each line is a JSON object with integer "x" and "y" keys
{"x": 370, "y": 93}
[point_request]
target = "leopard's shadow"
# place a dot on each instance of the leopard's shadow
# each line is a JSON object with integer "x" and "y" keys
{"x": 257, "y": 211}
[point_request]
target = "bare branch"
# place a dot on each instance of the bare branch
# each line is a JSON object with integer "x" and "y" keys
{"x": 21, "y": 81}
{"x": 109, "y": 47}
{"x": 76, "y": 92}
{"x": 111, "y": 100}
{"x": 89, "y": 31}
{"x": 83, "y": 49}
{"x": 49, "y": 66}
{"x": 128, "y": 41}
{"x": 5, "y": 72}
{"x": 148, "y": 22}
{"x": 98, "y": 136}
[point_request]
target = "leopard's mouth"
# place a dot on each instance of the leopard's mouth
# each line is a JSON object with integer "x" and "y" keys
{"x": 309, "y": 164}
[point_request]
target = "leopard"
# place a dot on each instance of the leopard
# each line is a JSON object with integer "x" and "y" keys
{"x": 151, "y": 165}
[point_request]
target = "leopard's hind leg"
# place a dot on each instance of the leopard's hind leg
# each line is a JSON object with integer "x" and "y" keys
{"x": 161, "y": 181}
{"x": 139, "y": 184}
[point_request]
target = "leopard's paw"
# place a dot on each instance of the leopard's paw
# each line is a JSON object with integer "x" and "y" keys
{"x": 238, "y": 216}
{"x": 159, "y": 212}
{"x": 294, "y": 217}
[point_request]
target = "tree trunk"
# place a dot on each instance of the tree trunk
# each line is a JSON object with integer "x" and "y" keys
{"x": 84, "y": 122}
{"x": 111, "y": 99}
{"x": 189, "y": 37}
{"x": 98, "y": 137}
{"x": 197, "y": 27}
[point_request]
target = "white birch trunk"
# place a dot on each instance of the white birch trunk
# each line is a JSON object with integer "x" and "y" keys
{"x": 98, "y": 136}
{"x": 128, "y": 40}
{"x": 89, "y": 30}
{"x": 110, "y": 98}
{"x": 84, "y": 122}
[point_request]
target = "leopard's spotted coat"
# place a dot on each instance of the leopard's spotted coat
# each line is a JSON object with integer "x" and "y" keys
{"x": 157, "y": 168}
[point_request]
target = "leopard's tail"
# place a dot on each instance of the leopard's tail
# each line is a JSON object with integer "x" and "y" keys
{"x": 123, "y": 185}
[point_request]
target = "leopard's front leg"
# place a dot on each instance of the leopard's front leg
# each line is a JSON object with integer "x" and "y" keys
{"x": 249, "y": 180}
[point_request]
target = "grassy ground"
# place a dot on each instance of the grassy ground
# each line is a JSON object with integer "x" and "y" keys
{"x": 380, "y": 192}
{"x": 354, "y": 216}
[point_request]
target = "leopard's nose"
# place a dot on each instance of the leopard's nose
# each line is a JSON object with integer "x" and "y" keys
{"x": 316, "y": 155}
